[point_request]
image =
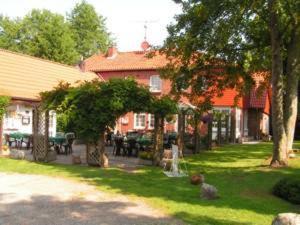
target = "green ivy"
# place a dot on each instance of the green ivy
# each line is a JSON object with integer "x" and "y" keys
{"x": 4, "y": 101}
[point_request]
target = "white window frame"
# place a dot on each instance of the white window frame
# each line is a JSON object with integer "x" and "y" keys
{"x": 155, "y": 87}
{"x": 139, "y": 126}
{"x": 149, "y": 121}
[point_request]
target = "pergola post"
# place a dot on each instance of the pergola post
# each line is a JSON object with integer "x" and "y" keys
{"x": 181, "y": 130}
{"x": 209, "y": 134}
{"x": 197, "y": 134}
{"x": 227, "y": 128}
{"x": 219, "y": 130}
{"x": 233, "y": 126}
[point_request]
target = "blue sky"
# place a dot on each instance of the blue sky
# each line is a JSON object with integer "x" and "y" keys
{"x": 124, "y": 18}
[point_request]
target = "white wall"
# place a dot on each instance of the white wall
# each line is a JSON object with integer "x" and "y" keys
{"x": 17, "y": 116}
{"x": 265, "y": 124}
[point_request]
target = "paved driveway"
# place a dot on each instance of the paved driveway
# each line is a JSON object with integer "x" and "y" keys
{"x": 42, "y": 200}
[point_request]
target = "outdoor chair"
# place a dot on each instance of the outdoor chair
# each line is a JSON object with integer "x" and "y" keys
{"x": 132, "y": 145}
{"x": 119, "y": 142}
{"x": 10, "y": 141}
{"x": 70, "y": 137}
{"x": 27, "y": 140}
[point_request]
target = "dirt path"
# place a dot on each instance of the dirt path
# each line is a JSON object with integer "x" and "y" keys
{"x": 42, "y": 200}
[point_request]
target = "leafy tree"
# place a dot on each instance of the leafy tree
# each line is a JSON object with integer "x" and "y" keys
{"x": 161, "y": 108}
{"x": 94, "y": 106}
{"x": 4, "y": 101}
{"x": 89, "y": 30}
{"x": 9, "y": 33}
{"x": 239, "y": 38}
{"x": 46, "y": 35}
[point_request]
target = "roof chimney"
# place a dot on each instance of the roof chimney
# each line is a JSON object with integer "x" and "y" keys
{"x": 111, "y": 52}
{"x": 145, "y": 45}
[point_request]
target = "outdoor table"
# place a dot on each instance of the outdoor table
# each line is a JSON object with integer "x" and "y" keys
{"x": 18, "y": 136}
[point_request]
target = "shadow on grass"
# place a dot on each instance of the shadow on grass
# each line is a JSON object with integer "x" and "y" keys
{"x": 234, "y": 169}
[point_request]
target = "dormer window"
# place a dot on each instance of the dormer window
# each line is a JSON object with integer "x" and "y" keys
{"x": 155, "y": 83}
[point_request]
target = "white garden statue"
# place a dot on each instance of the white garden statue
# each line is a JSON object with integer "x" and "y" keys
{"x": 175, "y": 169}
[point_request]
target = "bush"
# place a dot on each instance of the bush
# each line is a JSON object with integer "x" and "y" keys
{"x": 146, "y": 155}
{"x": 288, "y": 189}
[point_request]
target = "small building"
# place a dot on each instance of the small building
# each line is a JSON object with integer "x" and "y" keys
{"x": 251, "y": 113}
{"x": 22, "y": 78}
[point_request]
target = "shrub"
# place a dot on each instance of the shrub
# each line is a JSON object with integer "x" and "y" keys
{"x": 288, "y": 189}
{"x": 146, "y": 155}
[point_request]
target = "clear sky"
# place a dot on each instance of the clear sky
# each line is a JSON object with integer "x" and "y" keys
{"x": 124, "y": 18}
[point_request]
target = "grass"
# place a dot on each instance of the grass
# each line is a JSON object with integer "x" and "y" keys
{"x": 237, "y": 171}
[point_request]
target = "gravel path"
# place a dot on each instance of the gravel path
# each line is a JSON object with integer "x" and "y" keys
{"x": 42, "y": 200}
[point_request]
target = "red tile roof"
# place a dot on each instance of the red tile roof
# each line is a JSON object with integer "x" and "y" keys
{"x": 136, "y": 60}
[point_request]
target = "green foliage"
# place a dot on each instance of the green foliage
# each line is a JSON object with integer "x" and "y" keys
{"x": 4, "y": 102}
{"x": 89, "y": 30}
{"x": 288, "y": 189}
{"x": 40, "y": 33}
{"x": 10, "y": 33}
{"x": 235, "y": 37}
{"x": 51, "y": 100}
{"x": 48, "y": 35}
{"x": 164, "y": 106}
{"x": 91, "y": 107}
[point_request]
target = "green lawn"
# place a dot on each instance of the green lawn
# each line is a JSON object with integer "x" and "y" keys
{"x": 237, "y": 171}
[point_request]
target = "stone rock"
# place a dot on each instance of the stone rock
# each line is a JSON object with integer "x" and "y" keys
{"x": 287, "y": 219}
{"x": 208, "y": 191}
{"x": 76, "y": 159}
{"x": 51, "y": 156}
{"x": 16, "y": 154}
{"x": 197, "y": 179}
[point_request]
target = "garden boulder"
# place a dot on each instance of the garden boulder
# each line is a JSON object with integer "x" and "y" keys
{"x": 208, "y": 191}
{"x": 197, "y": 179}
{"x": 287, "y": 219}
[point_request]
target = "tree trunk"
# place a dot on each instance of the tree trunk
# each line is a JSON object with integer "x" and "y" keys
{"x": 291, "y": 97}
{"x": 279, "y": 135}
{"x": 197, "y": 135}
{"x": 102, "y": 156}
{"x": 158, "y": 139}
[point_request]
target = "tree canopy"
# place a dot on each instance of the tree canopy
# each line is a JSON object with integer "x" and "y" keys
{"x": 220, "y": 43}
{"x": 48, "y": 35}
{"x": 93, "y": 106}
{"x": 89, "y": 30}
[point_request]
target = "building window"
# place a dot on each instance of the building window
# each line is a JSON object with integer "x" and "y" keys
{"x": 139, "y": 120}
{"x": 151, "y": 121}
{"x": 155, "y": 83}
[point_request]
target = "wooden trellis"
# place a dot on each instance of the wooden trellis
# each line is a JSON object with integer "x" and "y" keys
{"x": 40, "y": 134}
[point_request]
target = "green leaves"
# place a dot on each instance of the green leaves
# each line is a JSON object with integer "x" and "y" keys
{"x": 4, "y": 102}
{"x": 163, "y": 106}
{"x": 89, "y": 30}
{"x": 93, "y": 106}
{"x": 48, "y": 35}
